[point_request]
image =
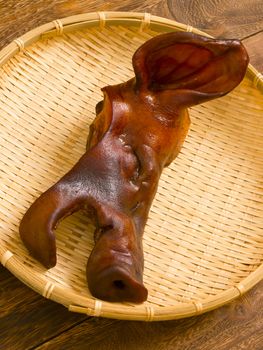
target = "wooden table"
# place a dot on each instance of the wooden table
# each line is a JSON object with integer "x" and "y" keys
{"x": 27, "y": 320}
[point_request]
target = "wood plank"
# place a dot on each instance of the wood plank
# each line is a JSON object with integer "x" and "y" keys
{"x": 26, "y": 318}
{"x": 220, "y": 18}
{"x": 232, "y": 326}
{"x": 224, "y": 18}
{"x": 19, "y": 17}
{"x": 254, "y": 46}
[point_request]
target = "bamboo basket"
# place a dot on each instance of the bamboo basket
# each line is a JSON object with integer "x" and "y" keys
{"x": 203, "y": 242}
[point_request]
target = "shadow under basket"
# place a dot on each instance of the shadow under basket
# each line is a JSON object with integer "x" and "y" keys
{"x": 203, "y": 243}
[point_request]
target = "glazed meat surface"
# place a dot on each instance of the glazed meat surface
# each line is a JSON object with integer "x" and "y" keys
{"x": 139, "y": 129}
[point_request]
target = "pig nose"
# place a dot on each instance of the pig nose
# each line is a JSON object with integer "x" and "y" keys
{"x": 116, "y": 284}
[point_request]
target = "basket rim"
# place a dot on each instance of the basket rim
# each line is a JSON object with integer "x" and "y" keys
{"x": 92, "y": 306}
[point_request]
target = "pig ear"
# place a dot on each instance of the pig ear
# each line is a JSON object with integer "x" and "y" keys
{"x": 192, "y": 67}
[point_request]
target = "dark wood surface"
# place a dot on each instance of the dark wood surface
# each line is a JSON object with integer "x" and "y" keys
{"x": 27, "y": 320}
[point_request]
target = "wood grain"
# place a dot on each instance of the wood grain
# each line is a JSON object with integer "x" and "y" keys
{"x": 221, "y": 18}
{"x": 229, "y": 327}
{"x": 47, "y": 325}
{"x": 27, "y": 320}
{"x": 17, "y": 17}
{"x": 254, "y": 46}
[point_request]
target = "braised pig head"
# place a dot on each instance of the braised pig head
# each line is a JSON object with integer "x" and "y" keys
{"x": 139, "y": 129}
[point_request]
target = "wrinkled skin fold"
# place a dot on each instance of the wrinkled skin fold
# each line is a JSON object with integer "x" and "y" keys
{"x": 139, "y": 129}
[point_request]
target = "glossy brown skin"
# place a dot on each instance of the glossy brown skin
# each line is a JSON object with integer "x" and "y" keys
{"x": 139, "y": 129}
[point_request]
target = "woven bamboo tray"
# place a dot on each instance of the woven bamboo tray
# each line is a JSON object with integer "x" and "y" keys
{"x": 203, "y": 242}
